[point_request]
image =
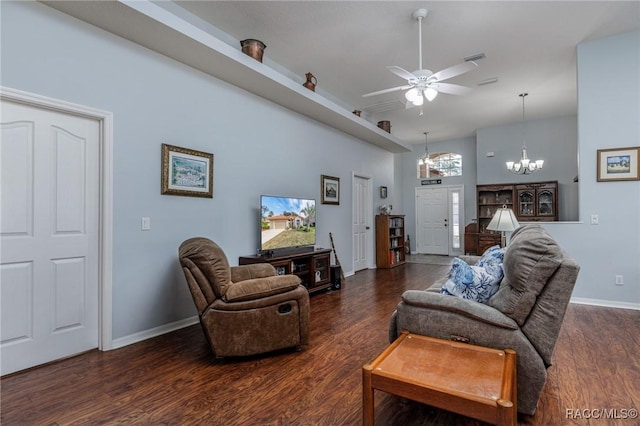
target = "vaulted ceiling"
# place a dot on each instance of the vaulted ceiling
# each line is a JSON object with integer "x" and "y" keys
{"x": 530, "y": 46}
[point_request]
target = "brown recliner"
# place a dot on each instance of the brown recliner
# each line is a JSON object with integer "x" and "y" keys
{"x": 244, "y": 310}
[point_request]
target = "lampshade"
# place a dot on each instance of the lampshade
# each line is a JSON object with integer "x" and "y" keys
{"x": 503, "y": 220}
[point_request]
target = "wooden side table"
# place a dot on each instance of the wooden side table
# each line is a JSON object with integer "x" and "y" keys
{"x": 466, "y": 379}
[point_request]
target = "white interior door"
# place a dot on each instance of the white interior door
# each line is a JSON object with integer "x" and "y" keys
{"x": 49, "y": 239}
{"x": 432, "y": 220}
{"x": 361, "y": 217}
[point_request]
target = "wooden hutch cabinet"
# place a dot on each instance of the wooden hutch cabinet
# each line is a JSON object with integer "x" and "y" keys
{"x": 535, "y": 201}
{"x": 389, "y": 240}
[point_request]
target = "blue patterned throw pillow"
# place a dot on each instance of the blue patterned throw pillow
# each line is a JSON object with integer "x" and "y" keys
{"x": 492, "y": 260}
{"x": 473, "y": 282}
{"x": 491, "y": 255}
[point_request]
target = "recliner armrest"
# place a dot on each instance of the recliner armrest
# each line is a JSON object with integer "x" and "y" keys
{"x": 248, "y": 272}
{"x": 468, "y": 308}
{"x": 260, "y": 287}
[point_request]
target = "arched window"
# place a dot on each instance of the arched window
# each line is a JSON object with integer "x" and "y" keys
{"x": 441, "y": 164}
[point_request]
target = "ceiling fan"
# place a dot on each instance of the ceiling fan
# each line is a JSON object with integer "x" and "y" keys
{"x": 424, "y": 83}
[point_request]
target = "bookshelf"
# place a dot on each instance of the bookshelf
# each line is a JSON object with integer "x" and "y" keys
{"x": 390, "y": 237}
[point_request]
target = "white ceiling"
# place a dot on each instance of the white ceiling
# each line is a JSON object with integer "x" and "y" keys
{"x": 530, "y": 46}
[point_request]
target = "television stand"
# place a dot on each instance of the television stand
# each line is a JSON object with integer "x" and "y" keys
{"x": 312, "y": 266}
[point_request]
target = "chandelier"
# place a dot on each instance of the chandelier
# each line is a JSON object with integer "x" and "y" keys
{"x": 424, "y": 160}
{"x": 525, "y": 165}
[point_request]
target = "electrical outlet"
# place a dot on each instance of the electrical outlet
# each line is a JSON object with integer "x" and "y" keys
{"x": 145, "y": 224}
{"x": 594, "y": 219}
{"x": 619, "y": 280}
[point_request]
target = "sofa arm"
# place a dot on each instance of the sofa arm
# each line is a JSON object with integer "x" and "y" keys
{"x": 468, "y": 308}
{"x": 248, "y": 272}
{"x": 452, "y": 318}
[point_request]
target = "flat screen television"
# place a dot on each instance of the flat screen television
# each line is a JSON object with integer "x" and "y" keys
{"x": 286, "y": 222}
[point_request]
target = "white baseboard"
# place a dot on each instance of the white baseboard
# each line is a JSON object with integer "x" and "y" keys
{"x": 605, "y": 303}
{"x": 167, "y": 328}
{"x": 153, "y": 332}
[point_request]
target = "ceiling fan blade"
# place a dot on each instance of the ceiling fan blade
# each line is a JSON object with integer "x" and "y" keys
{"x": 393, "y": 89}
{"x": 451, "y": 89}
{"x": 400, "y": 72}
{"x": 453, "y": 71}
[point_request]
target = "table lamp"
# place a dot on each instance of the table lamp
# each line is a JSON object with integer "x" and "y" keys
{"x": 504, "y": 220}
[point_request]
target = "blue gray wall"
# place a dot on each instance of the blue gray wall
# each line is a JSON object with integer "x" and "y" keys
{"x": 259, "y": 148}
{"x": 156, "y": 100}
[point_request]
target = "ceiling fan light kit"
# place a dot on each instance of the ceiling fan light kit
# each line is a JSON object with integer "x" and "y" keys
{"x": 424, "y": 83}
{"x": 525, "y": 165}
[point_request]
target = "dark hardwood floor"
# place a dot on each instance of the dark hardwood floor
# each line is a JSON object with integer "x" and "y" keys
{"x": 175, "y": 380}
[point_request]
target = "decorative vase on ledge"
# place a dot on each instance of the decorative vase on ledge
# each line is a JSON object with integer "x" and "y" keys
{"x": 254, "y": 48}
{"x": 385, "y": 125}
{"x": 311, "y": 82}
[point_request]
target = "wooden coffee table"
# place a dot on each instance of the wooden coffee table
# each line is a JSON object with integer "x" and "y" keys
{"x": 466, "y": 379}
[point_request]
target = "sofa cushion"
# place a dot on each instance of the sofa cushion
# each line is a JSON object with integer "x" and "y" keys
{"x": 530, "y": 260}
{"x": 472, "y": 282}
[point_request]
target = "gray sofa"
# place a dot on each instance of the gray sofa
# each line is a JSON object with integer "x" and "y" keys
{"x": 525, "y": 314}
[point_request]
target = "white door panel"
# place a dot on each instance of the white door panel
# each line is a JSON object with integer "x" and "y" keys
{"x": 361, "y": 199}
{"x": 432, "y": 221}
{"x": 48, "y": 235}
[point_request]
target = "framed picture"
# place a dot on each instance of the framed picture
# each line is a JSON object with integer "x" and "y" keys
{"x": 186, "y": 172}
{"x": 330, "y": 189}
{"x": 618, "y": 164}
{"x": 383, "y": 192}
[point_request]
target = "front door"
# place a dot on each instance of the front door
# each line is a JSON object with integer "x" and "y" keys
{"x": 432, "y": 220}
{"x": 50, "y": 165}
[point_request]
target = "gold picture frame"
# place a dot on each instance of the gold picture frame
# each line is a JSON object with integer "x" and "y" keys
{"x": 186, "y": 172}
{"x": 330, "y": 189}
{"x": 618, "y": 164}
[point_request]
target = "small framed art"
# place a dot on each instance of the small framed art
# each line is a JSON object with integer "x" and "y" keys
{"x": 186, "y": 172}
{"x": 383, "y": 192}
{"x": 617, "y": 164}
{"x": 330, "y": 189}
